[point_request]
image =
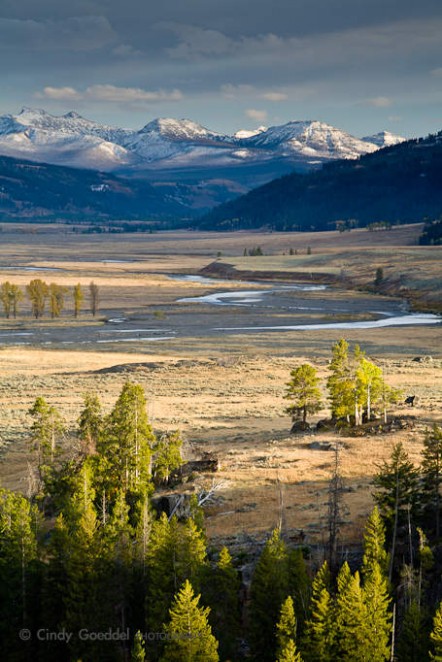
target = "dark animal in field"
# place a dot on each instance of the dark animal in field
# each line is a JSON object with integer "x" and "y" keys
{"x": 410, "y": 400}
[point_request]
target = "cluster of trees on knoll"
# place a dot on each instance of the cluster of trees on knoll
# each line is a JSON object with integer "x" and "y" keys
{"x": 89, "y": 572}
{"x": 432, "y": 233}
{"x": 42, "y": 295}
{"x": 356, "y": 386}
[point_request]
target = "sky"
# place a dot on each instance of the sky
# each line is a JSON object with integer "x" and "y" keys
{"x": 361, "y": 65}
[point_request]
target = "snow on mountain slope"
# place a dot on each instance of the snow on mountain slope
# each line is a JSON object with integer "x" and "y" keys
{"x": 170, "y": 143}
{"x": 310, "y": 139}
{"x": 384, "y": 139}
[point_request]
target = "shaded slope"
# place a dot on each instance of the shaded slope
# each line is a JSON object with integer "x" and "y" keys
{"x": 402, "y": 183}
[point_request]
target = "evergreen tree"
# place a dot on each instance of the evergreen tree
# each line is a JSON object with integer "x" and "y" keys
{"x": 268, "y": 590}
{"x": 303, "y": 390}
{"x": 18, "y": 567}
{"x": 374, "y": 545}
{"x": 221, "y": 593}
{"x": 289, "y": 653}
{"x": 396, "y": 494}
{"x": 190, "y": 638}
{"x": 90, "y": 424}
{"x": 319, "y": 630}
{"x": 299, "y": 586}
{"x": 353, "y": 634}
{"x": 341, "y": 382}
{"x": 175, "y": 552}
{"x": 46, "y": 430}
{"x": 167, "y": 456}
{"x": 286, "y": 626}
{"x": 412, "y": 643}
{"x": 432, "y": 475}
{"x": 126, "y": 445}
{"x": 436, "y": 636}
{"x": 378, "y": 617}
{"x": 138, "y": 652}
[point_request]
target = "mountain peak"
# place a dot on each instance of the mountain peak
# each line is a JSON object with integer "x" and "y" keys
{"x": 384, "y": 139}
{"x": 182, "y": 129}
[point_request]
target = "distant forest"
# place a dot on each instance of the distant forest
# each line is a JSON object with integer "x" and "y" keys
{"x": 398, "y": 184}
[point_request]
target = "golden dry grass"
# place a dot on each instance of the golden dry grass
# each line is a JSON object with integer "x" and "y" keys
{"x": 225, "y": 395}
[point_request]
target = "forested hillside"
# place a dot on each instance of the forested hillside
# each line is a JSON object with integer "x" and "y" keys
{"x": 93, "y": 568}
{"x": 401, "y": 184}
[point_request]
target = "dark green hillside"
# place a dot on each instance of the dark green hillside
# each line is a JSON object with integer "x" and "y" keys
{"x": 396, "y": 184}
{"x": 42, "y": 192}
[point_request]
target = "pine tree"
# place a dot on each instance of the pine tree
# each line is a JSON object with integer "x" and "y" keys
{"x": 268, "y": 590}
{"x": 286, "y": 626}
{"x": 175, "y": 552}
{"x": 396, "y": 494}
{"x": 289, "y": 653}
{"x": 378, "y": 617}
{"x": 353, "y": 635}
{"x": 126, "y": 445}
{"x": 374, "y": 545}
{"x": 412, "y": 643}
{"x": 46, "y": 430}
{"x": 436, "y": 635}
{"x": 167, "y": 456}
{"x": 432, "y": 474}
{"x": 220, "y": 589}
{"x": 138, "y": 652}
{"x": 18, "y": 565}
{"x": 190, "y": 637}
{"x": 299, "y": 586}
{"x": 319, "y": 632}
{"x": 90, "y": 424}
{"x": 303, "y": 390}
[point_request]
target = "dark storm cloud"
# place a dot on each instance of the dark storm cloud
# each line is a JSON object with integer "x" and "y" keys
{"x": 263, "y": 52}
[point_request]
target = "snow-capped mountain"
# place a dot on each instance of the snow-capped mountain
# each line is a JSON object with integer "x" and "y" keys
{"x": 384, "y": 139}
{"x": 180, "y": 145}
{"x": 310, "y": 139}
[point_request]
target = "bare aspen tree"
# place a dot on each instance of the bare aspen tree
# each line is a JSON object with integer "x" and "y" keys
{"x": 78, "y": 299}
{"x": 94, "y": 297}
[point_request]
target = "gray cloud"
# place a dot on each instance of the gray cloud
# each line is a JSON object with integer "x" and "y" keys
{"x": 288, "y": 57}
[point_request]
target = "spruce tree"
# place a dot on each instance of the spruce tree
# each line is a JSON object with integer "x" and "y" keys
{"x": 90, "y": 424}
{"x": 378, "y": 616}
{"x": 374, "y": 545}
{"x": 175, "y": 552}
{"x": 127, "y": 442}
{"x": 412, "y": 645}
{"x": 268, "y": 590}
{"x": 397, "y": 494}
{"x": 353, "y": 635}
{"x": 340, "y": 383}
{"x": 303, "y": 391}
{"x": 167, "y": 456}
{"x": 46, "y": 431}
{"x": 138, "y": 652}
{"x": 436, "y": 636}
{"x": 221, "y": 593}
{"x": 189, "y": 637}
{"x": 286, "y": 633}
{"x": 432, "y": 475}
{"x": 319, "y": 632}
{"x": 18, "y": 567}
